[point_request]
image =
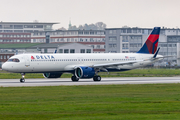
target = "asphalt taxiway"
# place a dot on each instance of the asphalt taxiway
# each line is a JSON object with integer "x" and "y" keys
{"x": 104, "y": 81}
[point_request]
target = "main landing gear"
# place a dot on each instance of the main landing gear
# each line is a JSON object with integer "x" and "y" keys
{"x": 22, "y": 80}
{"x": 74, "y": 78}
{"x": 97, "y": 78}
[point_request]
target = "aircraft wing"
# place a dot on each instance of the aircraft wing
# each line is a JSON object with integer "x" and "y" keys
{"x": 104, "y": 65}
{"x": 115, "y": 64}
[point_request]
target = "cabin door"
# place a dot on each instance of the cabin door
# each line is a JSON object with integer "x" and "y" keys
{"x": 27, "y": 61}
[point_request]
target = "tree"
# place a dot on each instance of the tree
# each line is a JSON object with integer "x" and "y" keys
{"x": 80, "y": 27}
{"x": 73, "y": 28}
{"x": 100, "y": 26}
{"x": 62, "y": 28}
{"x": 97, "y": 26}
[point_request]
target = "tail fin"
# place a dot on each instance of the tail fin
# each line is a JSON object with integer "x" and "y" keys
{"x": 150, "y": 46}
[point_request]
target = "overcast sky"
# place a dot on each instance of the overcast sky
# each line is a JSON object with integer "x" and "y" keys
{"x": 114, "y": 13}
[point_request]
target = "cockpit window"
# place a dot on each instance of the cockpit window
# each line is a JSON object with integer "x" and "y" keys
{"x": 13, "y": 60}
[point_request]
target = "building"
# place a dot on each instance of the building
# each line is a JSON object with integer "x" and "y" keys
{"x": 20, "y": 32}
{"x": 25, "y": 27}
{"x": 93, "y": 38}
{"x": 63, "y": 48}
{"x": 36, "y": 32}
{"x": 130, "y": 40}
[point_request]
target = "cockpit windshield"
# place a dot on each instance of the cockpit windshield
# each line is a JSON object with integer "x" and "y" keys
{"x": 13, "y": 60}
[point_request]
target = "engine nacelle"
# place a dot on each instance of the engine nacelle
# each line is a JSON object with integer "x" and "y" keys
{"x": 84, "y": 72}
{"x": 52, "y": 75}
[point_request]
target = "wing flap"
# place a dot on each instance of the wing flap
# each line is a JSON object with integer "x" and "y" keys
{"x": 115, "y": 64}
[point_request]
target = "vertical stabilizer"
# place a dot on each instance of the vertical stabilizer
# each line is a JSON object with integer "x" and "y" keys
{"x": 151, "y": 44}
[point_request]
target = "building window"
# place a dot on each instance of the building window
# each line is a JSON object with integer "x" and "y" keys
{"x": 81, "y": 40}
{"x": 134, "y": 30}
{"x": 38, "y": 26}
{"x": 123, "y": 31}
{"x": 80, "y": 32}
{"x": 60, "y": 50}
{"x": 112, "y": 38}
{"x": 113, "y": 51}
{"x": 8, "y": 26}
{"x": 124, "y": 38}
{"x": 82, "y": 50}
{"x": 112, "y": 45}
{"x": 125, "y": 46}
{"x": 45, "y": 50}
{"x": 112, "y": 31}
{"x": 66, "y": 50}
{"x": 28, "y": 26}
{"x": 18, "y": 26}
{"x": 91, "y": 40}
{"x": 98, "y": 46}
{"x": 86, "y": 32}
{"x": 92, "y": 33}
{"x": 88, "y": 51}
{"x": 173, "y": 45}
{"x": 72, "y": 51}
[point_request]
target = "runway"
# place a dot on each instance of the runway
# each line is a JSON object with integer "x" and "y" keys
{"x": 104, "y": 81}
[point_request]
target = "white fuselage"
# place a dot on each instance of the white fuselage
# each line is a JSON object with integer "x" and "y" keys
{"x": 41, "y": 63}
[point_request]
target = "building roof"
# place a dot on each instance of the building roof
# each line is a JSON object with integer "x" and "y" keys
{"x": 29, "y": 22}
{"x": 54, "y": 45}
{"x": 127, "y": 28}
{"x": 49, "y": 45}
{"x": 35, "y": 45}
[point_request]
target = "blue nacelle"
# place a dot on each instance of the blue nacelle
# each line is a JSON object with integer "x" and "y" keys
{"x": 52, "y": 75}
{"x": 84, "y": 72}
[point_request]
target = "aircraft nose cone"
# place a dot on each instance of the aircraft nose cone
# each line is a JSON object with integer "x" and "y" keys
{"x": 4, "y": 66}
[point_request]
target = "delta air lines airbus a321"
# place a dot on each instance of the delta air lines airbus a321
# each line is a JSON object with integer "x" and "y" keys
{"x": 84, "y": 66}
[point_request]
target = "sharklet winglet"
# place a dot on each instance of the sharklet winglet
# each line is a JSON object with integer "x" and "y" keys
{"x": 156, "y": 53}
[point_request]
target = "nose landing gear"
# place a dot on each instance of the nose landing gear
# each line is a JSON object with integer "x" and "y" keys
{"x": 22, "y": 80}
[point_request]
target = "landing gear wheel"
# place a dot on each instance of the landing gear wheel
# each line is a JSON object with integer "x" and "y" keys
{"x": 22, "y": 80}
{"x": 97, "y": 78}
{"x": 74, "y": 79}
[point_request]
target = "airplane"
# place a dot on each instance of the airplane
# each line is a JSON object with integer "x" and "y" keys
{"x": 84, "y": 65}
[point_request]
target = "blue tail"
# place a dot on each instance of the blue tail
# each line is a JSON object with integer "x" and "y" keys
{"x": 151, "y": 44}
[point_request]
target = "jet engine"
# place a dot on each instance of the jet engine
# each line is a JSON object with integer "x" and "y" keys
{"x": 52, "y": 75}
{"x": 84, "y": 72}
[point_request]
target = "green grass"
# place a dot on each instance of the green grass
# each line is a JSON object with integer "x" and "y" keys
{"x": 23, "y": 45}
{"x": 131, "y": 73}
{"x": 99, "y": 102}
{"x": 145, "y": 73}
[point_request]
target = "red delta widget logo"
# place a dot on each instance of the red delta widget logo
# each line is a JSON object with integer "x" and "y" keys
{"x": 42, "y": 57}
